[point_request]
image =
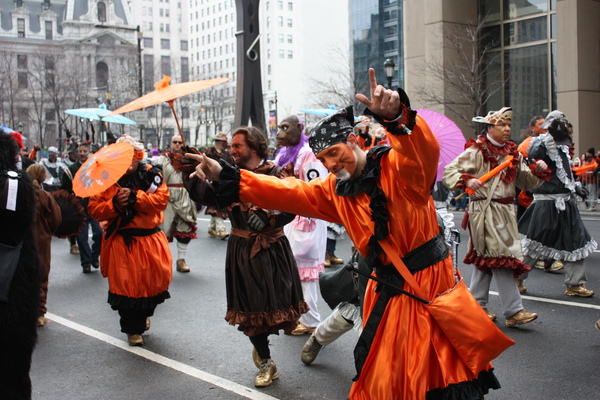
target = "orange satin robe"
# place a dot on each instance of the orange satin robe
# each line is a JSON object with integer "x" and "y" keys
{"x": 409, "y": 355}
{"x": 144, "y": 268}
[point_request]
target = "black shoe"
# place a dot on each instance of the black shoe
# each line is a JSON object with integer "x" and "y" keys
{"x": 96, "y": 264}
{"x": 86, "y": 269}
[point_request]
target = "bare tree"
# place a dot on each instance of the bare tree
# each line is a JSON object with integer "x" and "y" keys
{"x": 468, "y": 80}
{"x": 9, "y": 88}
{"x": 340, "y": 90}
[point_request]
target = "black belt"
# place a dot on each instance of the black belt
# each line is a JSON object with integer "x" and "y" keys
{"x": 424, "y": 256}
{"x": 129, "y": 233}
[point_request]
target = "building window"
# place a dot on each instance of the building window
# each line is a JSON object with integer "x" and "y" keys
{"x": 162, "y": 27}
{"x": 102, "y": 75}
{"x": 281, "y": 53}
{"x": 269, "y": 69}
{"x": 50, "y": 115}
{"x": 49, "y": 80}
{"x": 290, "y": 6}
{"x": 160, "y": 12}
{"x": 280, "y": 5}
{"x": 280, "y": 36}
{"x": 279, "y": 21}
{"x": 49, "y": 63}
{"x": 289, "y": 22}
{"x": 101, "y": 11}
{"x": 290, "y": 54}
{"x": 165, "y": 65}
{"x": 148, "y": 73}
{"x": 185, "y": 69}
{"x": 165, "y": 44}
{"x": 148, "y": 43}
{"x": 21, "y": 61}
{"x": 183, "y": 45}
{"x": 48, "y": 26}
{"x": 290, "y": 39}
{"x": 20, "y": 27}
{"x": 22, "y": 80}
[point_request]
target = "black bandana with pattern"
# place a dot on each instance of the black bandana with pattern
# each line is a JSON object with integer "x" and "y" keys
{"x": 331, "y": 130}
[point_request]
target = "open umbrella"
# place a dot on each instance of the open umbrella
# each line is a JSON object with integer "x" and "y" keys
{"x": 166, "y": 92}
{"x": 452, "y": 142}
{"x": 99, "y": 114}
{"x": 324, "y": 112}
{"x": 103, "y": 169}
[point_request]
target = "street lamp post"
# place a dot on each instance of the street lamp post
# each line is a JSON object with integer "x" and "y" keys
{"x": 388, "y": 68}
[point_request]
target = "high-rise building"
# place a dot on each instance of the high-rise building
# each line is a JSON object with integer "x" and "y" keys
{"x": 303, "y": 44}
{"x": 538, "y": 57}
{"x": 164, "y": 35}
{"x": 377, "y": 36}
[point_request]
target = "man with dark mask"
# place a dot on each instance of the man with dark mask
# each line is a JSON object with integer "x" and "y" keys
{"x": 552, "y": 226}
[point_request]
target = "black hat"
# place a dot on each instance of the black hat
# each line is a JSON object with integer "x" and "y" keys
{"x": 592, "y": 151}
{"x": 331, "y": 130}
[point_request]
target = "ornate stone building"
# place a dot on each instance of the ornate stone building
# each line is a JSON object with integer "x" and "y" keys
{"x": 62, "y": 54}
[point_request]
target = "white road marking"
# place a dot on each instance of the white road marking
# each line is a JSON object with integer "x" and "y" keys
{"x": 167, "y": 362}
{"x": 561, "y": 302}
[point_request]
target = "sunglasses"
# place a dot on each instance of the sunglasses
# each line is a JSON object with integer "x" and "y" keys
{"x": 177, "y": 142}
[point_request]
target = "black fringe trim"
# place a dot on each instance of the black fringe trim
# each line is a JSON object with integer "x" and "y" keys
{"x": 468, "y": 390}
{"x": 118, "y": 301}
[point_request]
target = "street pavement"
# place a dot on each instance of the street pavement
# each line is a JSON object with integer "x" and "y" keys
{"x": 192, "y": 353}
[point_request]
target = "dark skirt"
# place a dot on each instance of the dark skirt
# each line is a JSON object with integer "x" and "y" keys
{"x": 547, "y": 232}
{"x": 264, "y": 293}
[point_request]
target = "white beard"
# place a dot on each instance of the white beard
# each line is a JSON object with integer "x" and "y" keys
{"x": 343, "y": 175}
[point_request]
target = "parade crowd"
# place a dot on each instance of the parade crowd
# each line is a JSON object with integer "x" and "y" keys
{"x": 369, "y": 177}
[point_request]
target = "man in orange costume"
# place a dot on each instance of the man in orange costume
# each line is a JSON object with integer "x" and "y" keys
{"x": 135, "y": 252}
{"x": 383, "y": 193}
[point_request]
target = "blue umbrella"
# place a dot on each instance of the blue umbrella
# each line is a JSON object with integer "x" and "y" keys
{"x": 324, "y": 112}
{"x": 100, "y": 114}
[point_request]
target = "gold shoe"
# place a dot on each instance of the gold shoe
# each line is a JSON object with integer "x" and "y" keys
{"x": 135, "y": 339}
{"x": 490, "y": 314}
{"x": 520, "y": 318}
{"x": 42, "y": 320}
{"x": 182, "y": 266}
{"x": 213, "y": 233}
{"x": 147, "y": 327}
{"x": 556, "y": 266}
{"x": 522, "y": 289}
{"x": 74, "y": 249}
{"x": 327, "y": 262}
{"x": 580, "y": 291}
{"x": 222, "y": 234}
{"x": 266, "y": 375}
{"x": 256, "y": 358}
{"x": 333, "y": 259}
{"x": 302, "y": 329}
{"x": 598, "y": 324}
{"x": 540, "y": 265}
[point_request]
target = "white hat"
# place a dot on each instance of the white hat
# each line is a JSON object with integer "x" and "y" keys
{"x": 52, "y": 149}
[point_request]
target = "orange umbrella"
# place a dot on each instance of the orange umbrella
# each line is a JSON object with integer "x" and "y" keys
{"x": 103, "y": 169}
{"x": 167, "y": 93}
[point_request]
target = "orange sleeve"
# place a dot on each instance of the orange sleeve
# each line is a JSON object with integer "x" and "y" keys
{"x": 415, "y": 157}
{"x": 312, "y": 199}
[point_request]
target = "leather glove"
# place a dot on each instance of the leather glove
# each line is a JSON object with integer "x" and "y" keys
{"x": 258, "y": 221}
{"x": 581, "y": 192}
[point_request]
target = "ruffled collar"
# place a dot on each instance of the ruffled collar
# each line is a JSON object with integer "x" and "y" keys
{"x": 553, "y": 150}
{"x": 367, "y": 182}
{"x": 492, "y": 153}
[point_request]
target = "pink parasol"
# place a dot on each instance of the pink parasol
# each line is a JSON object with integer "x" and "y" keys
{"x": 452, "y": 142}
